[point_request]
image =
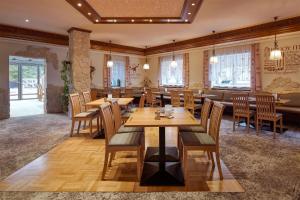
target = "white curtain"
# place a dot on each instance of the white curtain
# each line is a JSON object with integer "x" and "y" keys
{"x": 233, "y": 68}
{"x": 118, "y": 71}
{"x": 171, "y": 75}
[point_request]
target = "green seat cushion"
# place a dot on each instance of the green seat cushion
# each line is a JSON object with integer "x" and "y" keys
{"x": 126, "y": 139}
{"x": 124, "y": 129}
{"x": 198, "y": 129}
{"x": 196, "y": 139}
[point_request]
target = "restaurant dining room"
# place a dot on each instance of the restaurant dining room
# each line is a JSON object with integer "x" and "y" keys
{"x": 150, "y": 99}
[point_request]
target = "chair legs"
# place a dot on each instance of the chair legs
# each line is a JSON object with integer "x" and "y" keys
{"x": 233, "y": 124}
{"x": 274, "y": 129}
{"x": 72, "y": 127}
{"x": 78, "y": 128}
{"x": 219, "y": 165}
{"x": 248, "y": 123}
{"x": 105, "y": 164}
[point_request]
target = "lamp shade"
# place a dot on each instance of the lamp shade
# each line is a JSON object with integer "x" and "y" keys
{"x": 146, "y": 66}
{"x": 213, "y": 60}
{"x": 110, "y": 63}
{"x": 275, "y": 54}
{"x": 173, "y": 63}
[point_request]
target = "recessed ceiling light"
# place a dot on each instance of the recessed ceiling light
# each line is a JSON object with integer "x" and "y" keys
{"x": 186, "y": 20}
{"x": 79, "y": 4}
{"x": 26, "y": 20}
{"x": 193, "y": 4}
{"x": 150, "y": 20}
{"x": 97, "y": 20}
{"x": 89, "y": 13}
{"x": 168, "y": 20}
{"x": 115, "y": 20}
{"x": 189, "y": 13}
{"x": 132, "y": 20}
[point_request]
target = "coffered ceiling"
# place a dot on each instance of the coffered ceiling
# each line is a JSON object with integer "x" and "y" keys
{"x": 57, "y": 16}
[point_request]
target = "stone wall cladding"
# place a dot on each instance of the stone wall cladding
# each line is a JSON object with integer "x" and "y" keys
{"x": 4, "y": 104}
{"x": 54, "y": 99}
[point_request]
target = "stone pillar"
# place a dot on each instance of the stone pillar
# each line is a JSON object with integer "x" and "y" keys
{"x": 79, "y": 54}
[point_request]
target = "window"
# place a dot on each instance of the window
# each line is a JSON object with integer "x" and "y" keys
{"x": 232, "y": 70}
{"x": 118, "y": 73}
{"x": 171, "y": 75}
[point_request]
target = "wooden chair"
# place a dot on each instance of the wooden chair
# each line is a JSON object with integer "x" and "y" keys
{"x": 94, "y": 94}
{"x": 205, "y": 142}
{"x": 151, "y": 99}
{"x": 129, "y": 93}
{"x": 204, "y": 119}
{"x": 175, "y": 98}
{"x": 116, "y": 93}
{"x": 142, "y": 101}
{"x": 189, "y": 101}
{"x": 132, "y": 141}
{"x": 266, "y": 110}
{"x": 241, "y": 108}
{"x": 79, "y": 116}
{"x": 118, "y": 120}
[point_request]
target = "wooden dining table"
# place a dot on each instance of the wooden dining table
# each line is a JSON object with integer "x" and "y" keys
{"x": 161, "y": 171}
{"x": 99, "y": 102}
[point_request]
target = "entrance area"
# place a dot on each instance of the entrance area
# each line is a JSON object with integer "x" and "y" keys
{"x": 27, "y": 86}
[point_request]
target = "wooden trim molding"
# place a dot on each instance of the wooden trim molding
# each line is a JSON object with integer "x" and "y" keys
{"x": 262, "y": 30}
{"x": 58, "y": 39}
{"x": 188, "y": 13}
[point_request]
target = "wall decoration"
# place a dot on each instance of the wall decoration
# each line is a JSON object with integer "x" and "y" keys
{"x": 134, "y": 67}
{"x": 289, "y": 64}
{"x": 283, "y": 85}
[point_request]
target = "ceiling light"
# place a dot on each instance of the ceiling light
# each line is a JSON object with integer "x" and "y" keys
{"x": 89, "y": 13}
{"x": 186, "y": 20}
{"x": 193, "y": 4}
{"x": 115, "y": 20}
{"x": 168, "y": 20}
{"x": 110, "y": 63}
{"x": 276, "y": 53}
{"x": 173, "y": 63}
{"x": 150, "y": 20}
{"x": 132, "y": 20}
{"x": 79, "y": 4}
{"x": 97, "y": 20}
{"x": 26, "y": 20}
{"x": 189, "y": 13}
{"x": 213, "y": 59}
{"x": 146, "y": 65}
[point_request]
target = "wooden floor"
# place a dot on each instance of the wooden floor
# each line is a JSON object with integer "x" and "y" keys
{"x": 76, "y": 165}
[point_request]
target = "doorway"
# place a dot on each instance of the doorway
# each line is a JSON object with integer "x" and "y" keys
{"x": 27, "y": 86}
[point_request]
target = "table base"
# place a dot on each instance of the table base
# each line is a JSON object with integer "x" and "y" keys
{"x": 152, "y": 154}
{"x": 171, "y": 175}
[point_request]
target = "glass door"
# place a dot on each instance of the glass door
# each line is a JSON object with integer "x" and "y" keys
{"x": 30, "y": 81}
{"x": 14, "y": 82}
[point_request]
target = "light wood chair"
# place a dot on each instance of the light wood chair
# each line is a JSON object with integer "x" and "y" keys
{"x": 132, "y": 141}
{"x": 118, "y": 120}
{"x": 151, "y": 99}
{"x": 94, "y": 94}
{"x": 87, "y": 97}
{"x": 79, "y": 116}
{"x": 241, "y": 109}
{"x": 266, "y": 110}
{"x": 142, "y": 101}
{"x": 203, "y": 120}
{"x": 175, "y": 98}
{"x": 116, "y": 93}
{"x": 129, "y": 93}
{"x": 189, "y": 101}
{"x": 204, "y": 142}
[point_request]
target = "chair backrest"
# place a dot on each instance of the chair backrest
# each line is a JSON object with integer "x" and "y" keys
{"x": 87, "y": 96}
{"x": 175, "y": 98}
{"x": 240, "y": 103}
{"x": 188, "y": 99}
{"x": 108, "y": 121}
{"x": 205, "y": 113}
{"x": 149, "y": 96}
{"x": 215, "y": 121}
{"x": 142, "y": 101}
{"x": 117, "y": 116}
{"x": 128, "y": 92}
{"x": 116, "y": 93}
{"x": 265, "y": 107}
{"x": 75, "y": 104}
{"x": 94, "y": 94}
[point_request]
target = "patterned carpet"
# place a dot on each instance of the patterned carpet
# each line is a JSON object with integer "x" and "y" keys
{"x": 266, "y": 168}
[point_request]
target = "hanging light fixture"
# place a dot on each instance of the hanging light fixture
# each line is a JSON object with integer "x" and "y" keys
{"x": 213, "y": 59}
{"x": 173, "y": 63}
{"x": 110, "y": 63}
{"x": 146, "y": 65}
{"x": 276, "y": 53}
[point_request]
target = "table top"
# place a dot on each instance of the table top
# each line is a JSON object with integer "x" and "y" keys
{"x": 121, "y": 101}
{"x": 196, "y": 95}
{"x": 145, "y": 117}
{"x": 278, "y": 101}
